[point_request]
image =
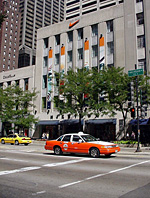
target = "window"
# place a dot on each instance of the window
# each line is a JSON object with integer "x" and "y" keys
{"x": 137, "y": 1}
{"x": 45, "y": 61}
{"x": 26, "y": 84}
{"x": 44, "y": 81}
{"x": 140, "y": 18}
{"x": 94, "y": 30}
{"x": 109, "y": 26}
{"x": 141, "y": 41}
{"x": 142, "y": 64}
{"x": 80, "y": 54}
{"x": 45, "y": 43}
{"x": 17, "y": 82}
{"x": 76, "y": 138}
{"x": 70, "y": 36}
{"x": 1, "y": 85}
{"x": 110, "y": 48}
{"x": 60, "y": 138}
{"x": 56, "y": 59}
{"x": 43, "y": 102}
{"x": 67, "y": 138}
{"x": 80, "y": 34}
{"x": 94, "y": 51}
{"x": 57, "y": 40}
{"x": 69, "y": 57}
{"x": 9, "y": 83}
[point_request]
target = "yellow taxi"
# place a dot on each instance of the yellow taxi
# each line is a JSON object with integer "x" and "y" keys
{"x": 81, "y": 143}
{"x": 16, "y": 139}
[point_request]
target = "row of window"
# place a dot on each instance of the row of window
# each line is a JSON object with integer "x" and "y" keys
{"x": 94, "y": 29}
{"x": 141, "y": 38}
{"x": 17, "y": 82}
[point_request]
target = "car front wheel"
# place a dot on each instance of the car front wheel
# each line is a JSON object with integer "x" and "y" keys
{"x": 16, "y": 142}
{"x": 57, "y": 150}
{"x": 94, "y": 152}
{"x": 2, "y": 141}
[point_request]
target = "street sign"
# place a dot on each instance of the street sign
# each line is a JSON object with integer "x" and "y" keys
{"x": 135, "y": 72}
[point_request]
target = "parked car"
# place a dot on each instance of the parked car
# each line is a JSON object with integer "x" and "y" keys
{"x": 16, "y": 139}
{"x": 81, "y": 143}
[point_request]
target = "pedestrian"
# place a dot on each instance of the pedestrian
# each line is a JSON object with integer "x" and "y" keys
{"x": 133, "y": 135}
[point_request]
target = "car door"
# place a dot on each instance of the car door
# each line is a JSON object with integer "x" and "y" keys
{"x": 78, "y": 145}
{"x": 65, "y": 143}
{"x": 9, "y": 139}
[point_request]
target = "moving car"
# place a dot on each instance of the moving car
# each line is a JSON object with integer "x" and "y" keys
{"x": 16, "y": 139}
{"x": 81, "y": 143}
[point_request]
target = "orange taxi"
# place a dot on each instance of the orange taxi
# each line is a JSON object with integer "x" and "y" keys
{"x": 81, "y": 143}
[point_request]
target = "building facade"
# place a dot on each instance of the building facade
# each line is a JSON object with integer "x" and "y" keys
{"x": 24, "y": 78}
{"x": 35, "y": 15}
{"x": 9, "y": 35}
{"x": 77, "y": 8}
{"x": 117, "y": 35}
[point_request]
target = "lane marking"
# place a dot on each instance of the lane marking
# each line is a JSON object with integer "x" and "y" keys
{"x": 41, "y": 192}
{"x": 19, "y": 170}
{"x": 65, "y": 163}
{"x": 100, "y": 175}
{"x": 15, "y": 160}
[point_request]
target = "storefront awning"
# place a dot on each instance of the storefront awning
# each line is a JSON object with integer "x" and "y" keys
{"x": 141, "y": 122}
{"x": 100, "y": 121}
{"x": 48, "y": 122}
{"x": 70, "y": 121}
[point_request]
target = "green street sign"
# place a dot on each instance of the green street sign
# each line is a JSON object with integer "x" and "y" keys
{"x": 135, "y": 72}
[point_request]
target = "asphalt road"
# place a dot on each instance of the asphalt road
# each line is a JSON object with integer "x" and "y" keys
{"x": 31, "y": 171}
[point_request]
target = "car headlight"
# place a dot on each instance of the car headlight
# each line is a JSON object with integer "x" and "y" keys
{"x": 106, "y": 147}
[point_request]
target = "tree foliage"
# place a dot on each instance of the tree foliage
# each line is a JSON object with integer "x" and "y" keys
{"x": 88, "y": 92}
{"x": 74, "y": 88}
{"x": 16, "y": 106}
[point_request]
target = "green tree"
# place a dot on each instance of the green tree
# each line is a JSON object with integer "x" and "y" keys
{"x": 78, "y": 95}
{"x": 72, "y": 92}
{"x": 117, "y": 81}
{"x": 17, "y": 106}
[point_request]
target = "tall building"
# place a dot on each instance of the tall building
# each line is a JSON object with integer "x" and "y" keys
{"x": 9, "y": 35}
{"x": 76, "y": 8}
{"x": 34, "y": 15}
{"x": 117, "y": 35}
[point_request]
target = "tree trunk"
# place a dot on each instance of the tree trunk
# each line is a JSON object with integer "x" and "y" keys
{"x": 80, "y": 123}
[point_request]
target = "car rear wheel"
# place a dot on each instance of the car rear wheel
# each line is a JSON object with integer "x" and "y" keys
{"x": 94, "y": 152}
{"x": 2, "y": 141}
{"x": 26, "y": 144}
{"x": 16, "y": 142}
{"x": 57, "y": 150}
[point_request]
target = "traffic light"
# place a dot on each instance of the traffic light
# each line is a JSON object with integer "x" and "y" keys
{"x": 131, "y": 94}
{"x": 132, "y": 112}
{"x": 143, "y": 97}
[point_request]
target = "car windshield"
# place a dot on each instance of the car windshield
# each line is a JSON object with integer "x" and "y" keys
{"x": 88, "y": 138}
